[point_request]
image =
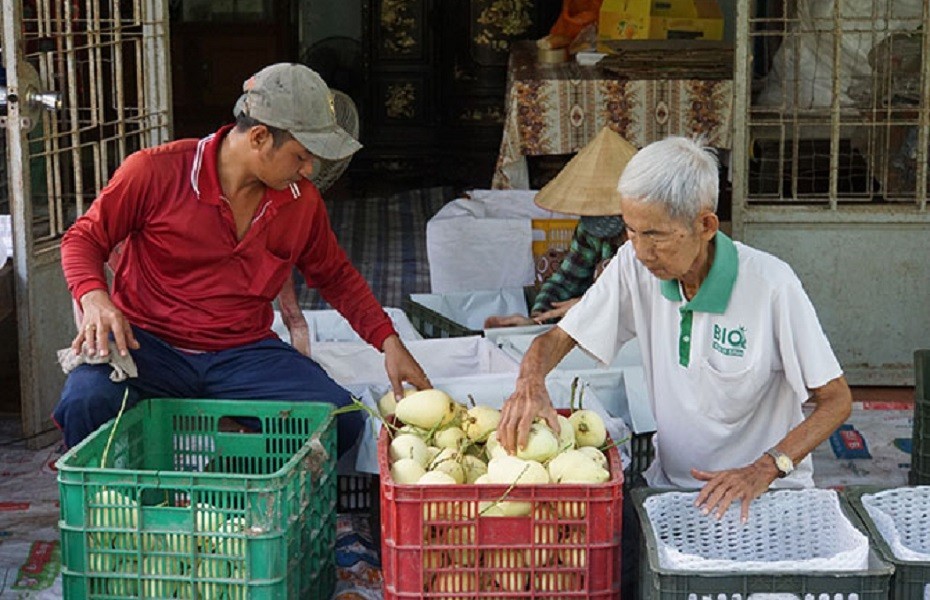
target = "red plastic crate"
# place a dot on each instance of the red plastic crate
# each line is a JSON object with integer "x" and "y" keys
{"x": 434, "y": 546}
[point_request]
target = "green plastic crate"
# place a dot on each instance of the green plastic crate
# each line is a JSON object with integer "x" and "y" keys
{"x": 911, "y": 579}
{"x": 920, "y": 449}
{"x": 432, "y": 324}
{"x": 184, "y": 509}
{"x": 659, "y": 583}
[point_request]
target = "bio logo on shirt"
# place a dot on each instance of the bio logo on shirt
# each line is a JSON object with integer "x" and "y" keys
{"x": 730, "y": 342}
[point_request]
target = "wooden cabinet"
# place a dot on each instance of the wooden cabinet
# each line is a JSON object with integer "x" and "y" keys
{"x": 436, "y": 75}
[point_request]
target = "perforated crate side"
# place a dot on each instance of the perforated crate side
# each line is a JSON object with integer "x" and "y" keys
{"x": 920, "y": 448}
{"x": 911, "y": 580}
{"x": 641, "y": 453}
{"x": 431, "y": 324}
{"x": 567, "y": 547}
{"x": 355, "y": 493}
{"x": 184, "y": 506}
{"x": 659, "y": 583}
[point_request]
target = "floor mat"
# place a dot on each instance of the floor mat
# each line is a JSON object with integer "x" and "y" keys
{"x": 385, "y": 239}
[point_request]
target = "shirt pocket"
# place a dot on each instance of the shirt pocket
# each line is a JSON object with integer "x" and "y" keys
{"x": 267, "y": 273}
{"x": 731, "y": 396}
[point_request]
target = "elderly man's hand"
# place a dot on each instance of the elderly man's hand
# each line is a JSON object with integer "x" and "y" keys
{"x": 724, "y": 487}
{"x": 528, "y": 401}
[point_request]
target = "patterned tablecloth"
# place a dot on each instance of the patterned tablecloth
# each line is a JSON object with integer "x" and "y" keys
{"x": 558, "y": 109}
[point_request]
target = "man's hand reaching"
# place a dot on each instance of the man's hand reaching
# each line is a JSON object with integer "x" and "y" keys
{"x": 402, "y": 367}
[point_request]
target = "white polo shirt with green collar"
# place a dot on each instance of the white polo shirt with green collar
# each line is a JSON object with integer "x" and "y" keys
{"x": 726, "y": 372}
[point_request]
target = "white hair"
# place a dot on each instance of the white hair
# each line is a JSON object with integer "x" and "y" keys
{"x": 678, "y": 172}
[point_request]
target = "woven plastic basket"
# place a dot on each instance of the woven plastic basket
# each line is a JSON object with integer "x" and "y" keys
{"x": 898, "y": 517}
{"x": 659, "y": 582}
{"x": 818, "y": 537}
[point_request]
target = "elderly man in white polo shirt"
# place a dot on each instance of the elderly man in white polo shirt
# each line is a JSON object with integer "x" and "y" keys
{"x": 731, "y": 343}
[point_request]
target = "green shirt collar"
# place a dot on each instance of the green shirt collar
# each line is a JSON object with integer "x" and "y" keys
{"x": 714, "y": 293}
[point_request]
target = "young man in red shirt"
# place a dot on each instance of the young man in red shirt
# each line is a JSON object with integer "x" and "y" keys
{"x": 211, "y": 229}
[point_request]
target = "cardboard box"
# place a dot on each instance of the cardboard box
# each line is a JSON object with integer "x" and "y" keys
{"x": 660, "y": 20}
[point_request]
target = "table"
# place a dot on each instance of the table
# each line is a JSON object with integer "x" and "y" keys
{"x": 558, "y": 109}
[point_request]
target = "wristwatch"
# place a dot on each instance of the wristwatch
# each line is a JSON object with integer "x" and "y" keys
{"x": 783, "y": 462}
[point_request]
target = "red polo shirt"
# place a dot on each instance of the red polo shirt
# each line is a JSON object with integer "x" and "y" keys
{"x": 183, "y": 276}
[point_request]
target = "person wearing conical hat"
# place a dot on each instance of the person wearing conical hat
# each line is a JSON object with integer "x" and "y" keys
{"x": 586, "y": 186}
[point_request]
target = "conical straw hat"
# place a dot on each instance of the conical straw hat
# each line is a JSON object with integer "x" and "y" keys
{"x": 587, "y": 185}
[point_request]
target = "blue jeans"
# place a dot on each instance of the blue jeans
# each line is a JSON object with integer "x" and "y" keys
{"x": 266, "y": 370}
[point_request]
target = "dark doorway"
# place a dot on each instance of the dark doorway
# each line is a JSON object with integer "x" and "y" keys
{"x": 215, "y": 46}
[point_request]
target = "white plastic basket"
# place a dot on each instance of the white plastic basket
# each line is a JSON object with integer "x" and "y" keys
{"x": 788, "y": 531}
{"x": 902, "y": 516}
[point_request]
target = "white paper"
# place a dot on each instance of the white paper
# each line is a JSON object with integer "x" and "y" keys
{"x": 484, "y": 242}
{"x": 330, "y": 326}
{"x": 470, "y": 309}
{"x": 351, "y": 363}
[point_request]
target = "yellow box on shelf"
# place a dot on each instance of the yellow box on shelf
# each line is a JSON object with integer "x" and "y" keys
{"x": 660, "y": 20}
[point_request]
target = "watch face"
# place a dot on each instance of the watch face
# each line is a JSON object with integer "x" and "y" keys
{"x": 784, "y": 464}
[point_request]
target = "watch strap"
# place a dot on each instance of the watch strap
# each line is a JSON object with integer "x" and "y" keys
{"x": 780, "y": 457}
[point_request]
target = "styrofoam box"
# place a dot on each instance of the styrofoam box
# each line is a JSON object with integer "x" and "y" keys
{"x": 490, "y": 390}
{"x": 620, "y": 386}
{"x": 622, "y": 392}
{"x": 576, "y": 360}
{"x": 330, "y": 326}
{"x": 441, "y": 358}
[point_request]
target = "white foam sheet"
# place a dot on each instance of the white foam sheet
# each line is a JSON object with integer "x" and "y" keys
{"x": 330, "y": 326}
{"x": 484, "y": 242}
{"x": 470, "y": 309}
{"x": 490, "y": 390}
{"x": 358, "y": 363}
{"x": 902, "y": 517}
{"x": 794, "y": 531}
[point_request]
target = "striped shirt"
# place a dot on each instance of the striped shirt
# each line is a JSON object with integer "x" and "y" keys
{"x": 577, "y": 271}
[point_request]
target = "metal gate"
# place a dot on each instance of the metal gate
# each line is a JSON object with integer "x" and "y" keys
{"x": 830, "y": 166}
{"x": 86, "y": 85}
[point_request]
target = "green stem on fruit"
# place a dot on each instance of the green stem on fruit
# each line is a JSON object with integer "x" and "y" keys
{"x": 506, "y": 492}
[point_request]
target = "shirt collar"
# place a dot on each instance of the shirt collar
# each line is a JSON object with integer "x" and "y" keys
{"x": 714, "y": 293}
{"x": 205, "y": 179}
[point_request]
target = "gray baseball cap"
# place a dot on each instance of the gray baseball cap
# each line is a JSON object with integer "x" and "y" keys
{"x": 294, "y": 98}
